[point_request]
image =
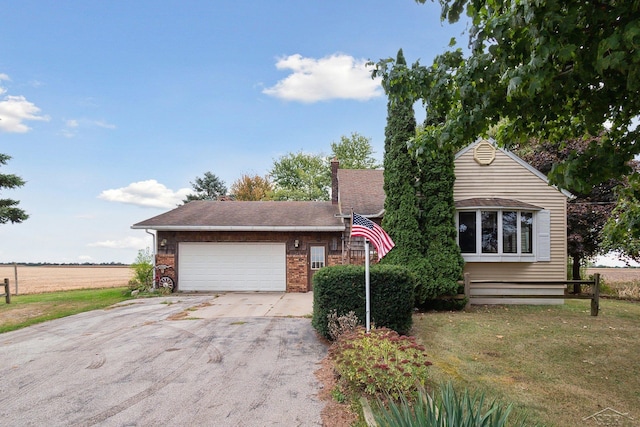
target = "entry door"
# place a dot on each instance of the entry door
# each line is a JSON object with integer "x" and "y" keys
{"x": 317, "y": 260}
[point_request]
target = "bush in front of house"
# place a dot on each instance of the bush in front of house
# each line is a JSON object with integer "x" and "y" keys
{"x": 338, "y": 290}
{"x": 380, "y": 363}
{"x": 142, "y": 271}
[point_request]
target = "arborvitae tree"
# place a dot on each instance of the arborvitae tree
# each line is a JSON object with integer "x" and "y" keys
{"x": 400, "y": 169}
{"x": 419, "y": 207}
{"x": 437, "y": 223}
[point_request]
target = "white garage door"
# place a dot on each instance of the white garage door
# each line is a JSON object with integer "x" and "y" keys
{"x": 232, "y": 267}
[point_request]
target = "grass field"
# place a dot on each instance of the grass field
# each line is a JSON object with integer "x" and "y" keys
{"x": 27, "y": 310}
{"x": 32, "y": 280}
{"x": 557, "y": 364}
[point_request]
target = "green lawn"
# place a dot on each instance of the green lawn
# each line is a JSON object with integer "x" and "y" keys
{"x": 26, "y": 310}
{"x": 556, "y": 364}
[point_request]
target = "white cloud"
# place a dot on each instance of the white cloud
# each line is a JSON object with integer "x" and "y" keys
{"x": 336, "y": 76}
{"x": 14, "y": 110}
{"x": 85, "y": 258}
{"x": 72, "y": 126}
{"x": 125, "y": 243}
{"x": 149, "y": 193}
{"x": 103, "y": 124}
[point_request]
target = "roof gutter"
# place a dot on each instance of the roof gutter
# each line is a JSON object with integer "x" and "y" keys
{"x": 153, "y": 252}
{"x": 239, "y": 227}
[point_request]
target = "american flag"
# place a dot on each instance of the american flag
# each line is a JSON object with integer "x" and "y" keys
{"x": 361, "y": 226}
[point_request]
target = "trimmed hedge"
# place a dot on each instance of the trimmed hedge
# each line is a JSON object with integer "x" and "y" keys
{"x": 341, "y": 288}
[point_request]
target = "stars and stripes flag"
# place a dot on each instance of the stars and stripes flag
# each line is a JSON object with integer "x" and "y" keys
{"x": 361, "y": 226}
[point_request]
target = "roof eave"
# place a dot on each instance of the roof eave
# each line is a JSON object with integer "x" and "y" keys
{"x": 239, "y": 227}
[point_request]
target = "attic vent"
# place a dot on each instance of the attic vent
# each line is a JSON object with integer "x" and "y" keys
{"x": 485, "y": 153}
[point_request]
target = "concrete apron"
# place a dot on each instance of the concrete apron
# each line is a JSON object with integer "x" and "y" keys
{"x": 255, "y": 304}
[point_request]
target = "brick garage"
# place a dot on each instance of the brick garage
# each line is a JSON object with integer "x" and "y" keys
{"x": 298, "y": 268}
{"x": 302, "y": 236}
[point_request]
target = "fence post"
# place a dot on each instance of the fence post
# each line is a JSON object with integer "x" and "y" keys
{"x": 595, "y": 299}
{"x": 7, "y": 291}
{"x": 15, "y": 274}
{"x": 467, "y": 289}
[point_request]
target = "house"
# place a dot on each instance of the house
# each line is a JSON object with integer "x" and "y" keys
{"x": 511, "y": 223}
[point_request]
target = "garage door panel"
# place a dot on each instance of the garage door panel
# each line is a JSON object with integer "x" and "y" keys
{"x": 232, "y": 267}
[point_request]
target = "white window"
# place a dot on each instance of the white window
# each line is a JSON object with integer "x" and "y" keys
{"x": 486, "y": 235}
{"x": 317, "y": 257}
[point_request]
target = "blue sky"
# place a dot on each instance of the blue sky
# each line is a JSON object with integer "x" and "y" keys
{"x": 109, "y": 109}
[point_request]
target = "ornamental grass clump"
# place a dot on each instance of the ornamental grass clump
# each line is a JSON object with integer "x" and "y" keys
{"x": 380, "y": 362}
{"x": 448, "y": 409}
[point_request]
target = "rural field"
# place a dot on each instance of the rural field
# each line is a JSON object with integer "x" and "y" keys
{"x": 617, "y": 275}
{"x": 33, "y": 280}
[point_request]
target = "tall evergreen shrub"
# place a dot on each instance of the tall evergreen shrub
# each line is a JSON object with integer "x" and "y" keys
{"x": 400, "y": 168}
{"x": 437, "y": 222}
{"x": 419, "y": 208}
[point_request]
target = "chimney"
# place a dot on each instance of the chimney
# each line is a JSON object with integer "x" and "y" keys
{"x": 335, "y": 164}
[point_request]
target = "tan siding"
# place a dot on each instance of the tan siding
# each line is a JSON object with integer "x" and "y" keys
{"x": 506, "y": 178}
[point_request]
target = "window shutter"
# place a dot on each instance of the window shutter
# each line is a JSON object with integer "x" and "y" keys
{"x": 544, "y": 235}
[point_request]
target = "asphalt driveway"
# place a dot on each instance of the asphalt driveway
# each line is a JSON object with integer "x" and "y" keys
{"x": 163, "y": 361}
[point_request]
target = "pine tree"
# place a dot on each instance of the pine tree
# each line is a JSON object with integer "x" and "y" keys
{"x": 8, "y": 207}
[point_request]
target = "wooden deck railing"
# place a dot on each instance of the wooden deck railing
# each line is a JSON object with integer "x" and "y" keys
{"x": 544, "y": 289}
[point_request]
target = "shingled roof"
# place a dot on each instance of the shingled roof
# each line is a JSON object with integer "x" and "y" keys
{"x": 248, "y": 216}
{"x": 361, "y": 190}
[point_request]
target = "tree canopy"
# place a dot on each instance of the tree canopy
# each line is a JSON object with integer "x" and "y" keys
{"x": 301, "y": 176}
{"x": 209, "y": 187}
{"x": 354, "y": 152}
{"x": 588, "y": 212}
{"x": 622, "y": 230}
{"x": 9, "y": 212}
{"x": 553, "y": 70}
{"x": 252, "y": 188}
{"x": 305, "y": 176}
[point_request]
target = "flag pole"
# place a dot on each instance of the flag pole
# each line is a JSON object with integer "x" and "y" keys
{"x": 367, "y": 294}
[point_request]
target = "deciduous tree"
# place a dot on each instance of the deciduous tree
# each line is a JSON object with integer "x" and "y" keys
{"x": 588, "y": 212}
{"x": 252, "y": 188}
{"x": 9, "y": 212}
{"x": 304, "y": 176}
{"x": 622, "y": 230}
{"x": 354, "y": 152}
{"x": 554, "y": 70}
{"x": 301, "y": 176}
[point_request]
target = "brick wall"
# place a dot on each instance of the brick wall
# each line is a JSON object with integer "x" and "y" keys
{"x": 296, "y": 257}
{"x": 167, "y": 259}
{"x": 297, "y": 275}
